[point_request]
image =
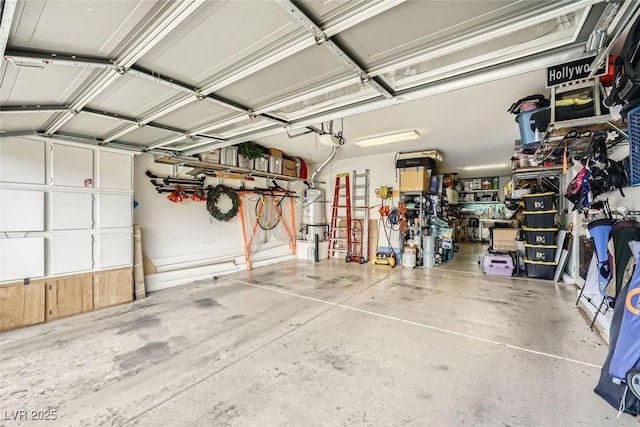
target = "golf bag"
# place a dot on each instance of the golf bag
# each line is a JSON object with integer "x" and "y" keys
{"x": 612, "y": 392}
{"x": 600, "y": 231}
{"x": 626, "y": 354}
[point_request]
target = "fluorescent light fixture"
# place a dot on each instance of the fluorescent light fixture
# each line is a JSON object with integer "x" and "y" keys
{"x": 387, "y": 139}
{"x": 480, "y": 167}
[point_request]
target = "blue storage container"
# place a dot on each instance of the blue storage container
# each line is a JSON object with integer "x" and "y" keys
{"x": 527, "y": 126}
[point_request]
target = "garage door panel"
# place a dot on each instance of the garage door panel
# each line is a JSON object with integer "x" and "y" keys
{"x": 24, "y": 85}
{"x": 147, "y": 136}
{"x": 85, "y": 124}
{"x": 219, "y": 23}
{"x": 196, "y": 115}
{"x": 133, "y": 96}
{"x": 98, "y": 26}
{"x": 313, "y": 66}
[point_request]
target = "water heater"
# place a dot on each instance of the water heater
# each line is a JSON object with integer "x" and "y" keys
{"x": 313, "y": 214}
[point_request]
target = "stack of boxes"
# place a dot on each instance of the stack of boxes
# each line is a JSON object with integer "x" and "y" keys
{"x": 540, "y": 235}
{"x": 272, "y": 162}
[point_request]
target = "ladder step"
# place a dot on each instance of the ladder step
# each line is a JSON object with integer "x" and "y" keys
{"x": 338, "y": 239}
{"x": 338, "y": 250}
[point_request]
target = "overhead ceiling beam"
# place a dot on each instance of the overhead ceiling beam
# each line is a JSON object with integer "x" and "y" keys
{"x": 322, "y": 39}
{"x": 59, "y": 59}
{"x": 9, "y": 109}
{"x": 21, "y": 109}
{"x": 8, "y": 10}
{"x": 177, "y": 12}
{"x": 131, "y": 120}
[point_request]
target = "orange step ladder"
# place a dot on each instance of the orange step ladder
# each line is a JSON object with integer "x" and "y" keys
{"x": 340, "y": 218}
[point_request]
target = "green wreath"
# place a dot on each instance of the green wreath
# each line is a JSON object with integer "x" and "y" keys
{"x": 212, "y": 199}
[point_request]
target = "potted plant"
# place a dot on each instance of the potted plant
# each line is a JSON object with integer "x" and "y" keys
{"x": 247, "y": 153}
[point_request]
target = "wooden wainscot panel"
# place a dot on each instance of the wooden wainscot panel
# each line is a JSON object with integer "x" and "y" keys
{"x": 69, "y": 295}
{"x": 22, "y": 305}
{"x": 112, "y": 287}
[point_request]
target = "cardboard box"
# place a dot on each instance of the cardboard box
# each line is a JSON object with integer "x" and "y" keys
{"x": 289, "y": 168}
{"x": 274, "y": 152}
{"x": 504, "y": 239}
{"x": 415, "y": 179}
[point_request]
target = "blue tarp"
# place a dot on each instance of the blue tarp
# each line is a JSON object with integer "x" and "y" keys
{"x": 626, "y": 354}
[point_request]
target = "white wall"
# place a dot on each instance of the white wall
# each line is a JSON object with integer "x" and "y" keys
{"x": 183, "y": 241}
{"x": 382, "y": 172}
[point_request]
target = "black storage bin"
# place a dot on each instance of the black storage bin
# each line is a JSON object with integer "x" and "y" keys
{"x": 540, "y": 269}
{"x": 539, "y": 219}
{"x": 540, "y": 236}
{"x": 539, "y": 201}
{"x": 427, "y": 162}
{"x": 540, "y": 252}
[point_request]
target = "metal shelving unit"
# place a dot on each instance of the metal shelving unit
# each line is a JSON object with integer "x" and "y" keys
{"x": 416, "y": 231}
{"x": 546, "y": 175}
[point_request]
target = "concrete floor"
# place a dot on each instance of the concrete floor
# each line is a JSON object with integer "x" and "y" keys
{"x": 327, "y": 344}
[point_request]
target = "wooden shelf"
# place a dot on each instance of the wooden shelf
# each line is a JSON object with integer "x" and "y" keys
{"x": 215, "y": 167}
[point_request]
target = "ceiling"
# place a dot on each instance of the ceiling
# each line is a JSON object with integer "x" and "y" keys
{"x": 185, "y": 77}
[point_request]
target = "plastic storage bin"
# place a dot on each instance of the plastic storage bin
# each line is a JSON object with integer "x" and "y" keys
{"x": 540, "y": 269}
{"x": 229, "y": 156}
{"x": 275, "y": 165}
{"x": 540, "y": 252}
{"x": 527, "y": 126}
{"x": 540, "y": 236}
{"x": 539, "y": 201}
{"x": 498, "y": 265}
{"x": 261, "y": 163}
{"x": 539, "y": 219}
